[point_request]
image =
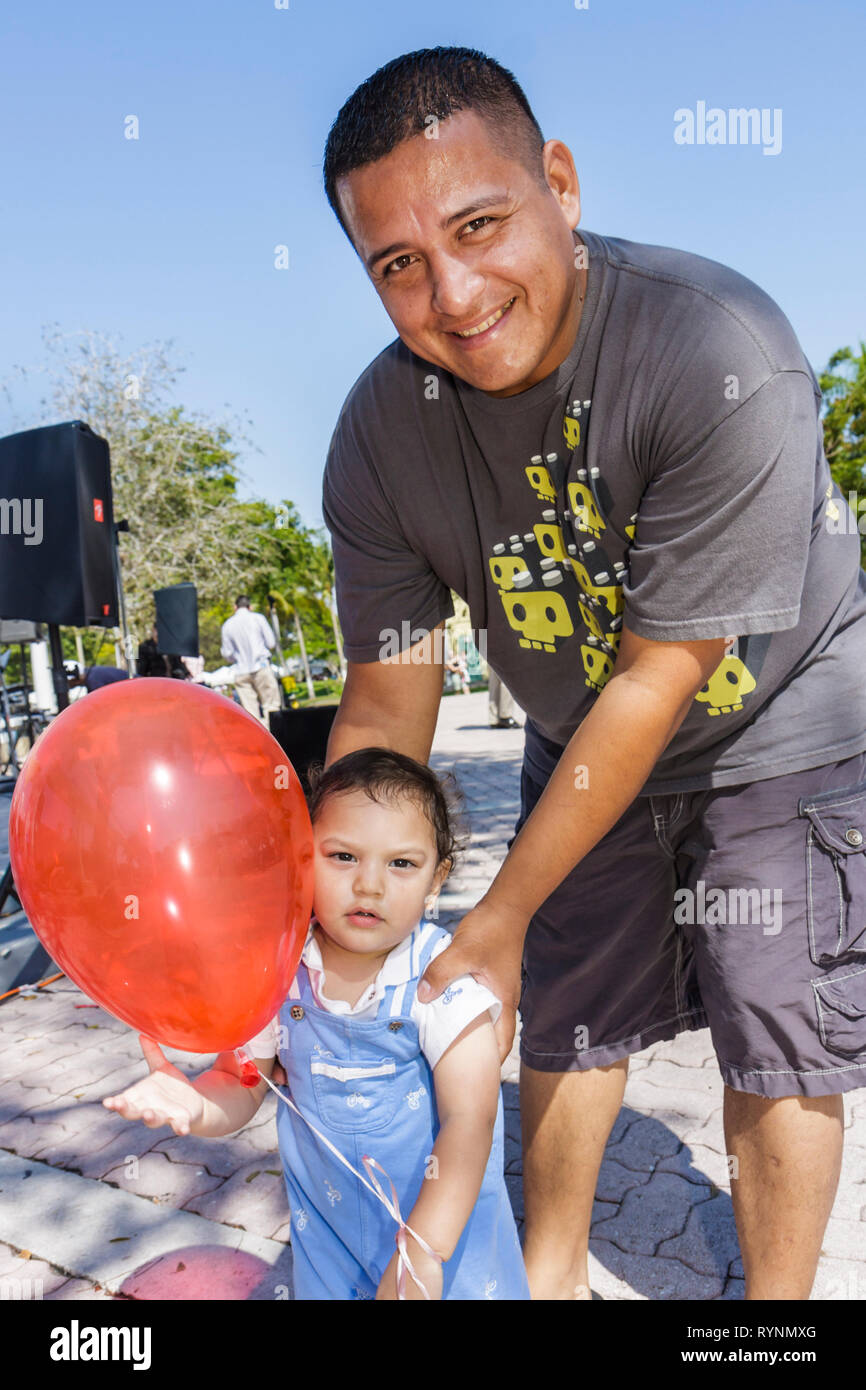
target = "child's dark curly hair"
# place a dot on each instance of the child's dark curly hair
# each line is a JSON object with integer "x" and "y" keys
{"x": 386, "y": 775}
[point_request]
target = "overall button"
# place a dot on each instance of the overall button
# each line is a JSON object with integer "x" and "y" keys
{"x": 395, "y": 1026}
{"x": 296, "y": 1011}
{"x": 853, "y": 837}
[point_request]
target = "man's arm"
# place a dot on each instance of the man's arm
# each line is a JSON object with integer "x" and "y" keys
{"x": 393, "y": 703}
{"x": 601, "y": 771}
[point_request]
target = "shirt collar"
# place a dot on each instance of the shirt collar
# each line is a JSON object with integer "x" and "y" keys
{"x": 399, "y": 967}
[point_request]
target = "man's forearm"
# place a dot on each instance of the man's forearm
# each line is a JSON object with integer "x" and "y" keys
{"x": 602, "y": 769}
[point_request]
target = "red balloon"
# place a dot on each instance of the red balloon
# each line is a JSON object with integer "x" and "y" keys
{"x": 163, "y": 853}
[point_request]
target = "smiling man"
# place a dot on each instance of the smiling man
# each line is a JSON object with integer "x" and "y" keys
{"x": 613, "y": 453}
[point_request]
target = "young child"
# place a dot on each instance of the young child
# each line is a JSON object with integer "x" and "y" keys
{"x": 414, "y": 1086}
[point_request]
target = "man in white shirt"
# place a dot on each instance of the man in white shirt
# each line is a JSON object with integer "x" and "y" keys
{"x": 246, "y": 642}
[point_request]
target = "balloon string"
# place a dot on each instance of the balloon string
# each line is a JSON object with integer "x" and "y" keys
{"x": 404, "y": 1263}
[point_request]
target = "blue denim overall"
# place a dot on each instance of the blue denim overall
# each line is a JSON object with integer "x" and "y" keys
{"x": 368, "y": 1087}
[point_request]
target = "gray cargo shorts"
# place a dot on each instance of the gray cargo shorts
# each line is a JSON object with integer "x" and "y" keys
{"x": 741, "y": 909}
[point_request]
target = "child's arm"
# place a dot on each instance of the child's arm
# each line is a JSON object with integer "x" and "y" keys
{"x": 466, "y": 1081}
{"x": 214, "y": 1104}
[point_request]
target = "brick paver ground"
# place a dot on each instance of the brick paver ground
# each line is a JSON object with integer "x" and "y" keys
{"x": 93, "y": 1207}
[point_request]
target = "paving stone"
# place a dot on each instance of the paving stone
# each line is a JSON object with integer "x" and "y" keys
{"x": 698, "y": 1164}
{"x": 652, "y": 1278}
{"x": 658, "y": 1071}
{"x": 643, "y": 1094}
{"x": 72, "y": 1289}
{"x": 651, "y": 1212}
{"x": 253, "y": 1198}
{"x": 844, "y": 1240}
{"x": 840, "y": 1280}
{"x": 514, "y": 1184}
{"x": 709, "y": 1242}
{"x": 643, "y": 1144}
{"x": 154, "y": 1176}
{"x": 614, "y": 1181}
{"x": 690, "y": 1049}
{"x": 108, "y": 1236}
{"x": 734, "y": 1291}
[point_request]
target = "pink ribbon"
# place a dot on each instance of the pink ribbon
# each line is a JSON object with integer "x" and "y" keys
{"x": 404, "y": 1263}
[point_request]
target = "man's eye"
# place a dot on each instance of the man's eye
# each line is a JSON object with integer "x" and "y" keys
{"x": 389, "y": 268}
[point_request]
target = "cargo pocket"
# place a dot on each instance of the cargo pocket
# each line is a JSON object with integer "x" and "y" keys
{"x": 836, "y": 874}
{"x": 842, "y": 1013}
{"x": 355, "y": 1095}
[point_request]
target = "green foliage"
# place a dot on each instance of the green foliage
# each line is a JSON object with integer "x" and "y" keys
{"x": 175, "y": 478}
{"x": 844, "y": 394}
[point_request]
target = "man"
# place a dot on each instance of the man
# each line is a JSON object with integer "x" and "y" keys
{"x": 246, "y": 641}
{"x": 613, "y": 453}
{"x": 153, "y": 662}
{"x": 95, "y": 677}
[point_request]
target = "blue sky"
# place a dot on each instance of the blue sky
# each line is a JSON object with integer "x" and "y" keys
{"x": 172, "y": 236}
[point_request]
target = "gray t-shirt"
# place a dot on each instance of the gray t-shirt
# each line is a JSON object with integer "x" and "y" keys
{"x": 669, "y": 473}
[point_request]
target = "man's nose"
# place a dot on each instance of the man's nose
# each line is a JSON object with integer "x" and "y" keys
{"x": 458, "y": 290}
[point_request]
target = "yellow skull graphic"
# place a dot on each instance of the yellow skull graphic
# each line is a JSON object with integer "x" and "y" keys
{"x": 597, "y": 665}
{"x": 587, "y": 517}
{"x": 541, "y": 616}
{"x": 539, "y": 478}
{"x": 724, "y": 690}
{"x": 550, "y": 541}
{"x": 609, "y": 594}
{"x": 507, "y": 571}
{"x": 571, "y": 430}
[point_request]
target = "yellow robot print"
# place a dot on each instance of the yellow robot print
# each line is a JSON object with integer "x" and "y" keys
{"x": 550, "y": 541}
{"x": 600, "y": 622}
{"x": 724, "y": 691}
{"x": 571, "y": 431}
{"x": 540, "y": 616}
{"x": 598, "y": 666}
{"x": 540, "y": 479}
{"x": 509, "y": 572}
{"x": 608, "y": 594}
{"x": 587, "y": 517}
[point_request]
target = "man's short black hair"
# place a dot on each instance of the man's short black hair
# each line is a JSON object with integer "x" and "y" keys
{"x": 242, "y": 601}
{"x": 399, "y": 99}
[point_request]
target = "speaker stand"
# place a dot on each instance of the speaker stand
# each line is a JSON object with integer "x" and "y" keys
{"x": 61, "y": 689}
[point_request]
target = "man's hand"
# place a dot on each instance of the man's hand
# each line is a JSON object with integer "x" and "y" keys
{"x": 489, "y": 946}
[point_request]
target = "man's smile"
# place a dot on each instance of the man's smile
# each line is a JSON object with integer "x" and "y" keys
{"x": 483, "y": 328}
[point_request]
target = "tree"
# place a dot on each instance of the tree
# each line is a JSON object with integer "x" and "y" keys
{"x": 844, "y": 394}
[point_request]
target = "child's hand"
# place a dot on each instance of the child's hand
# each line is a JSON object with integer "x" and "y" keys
{"x": 428, "y": 1270}
{"x": 165, "y": 1097}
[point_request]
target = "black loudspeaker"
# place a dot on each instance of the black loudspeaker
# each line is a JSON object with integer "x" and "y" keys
{"x": 303, "y": 735}
{"x": 57, "y": 527}
{"x": 177, "y": 620}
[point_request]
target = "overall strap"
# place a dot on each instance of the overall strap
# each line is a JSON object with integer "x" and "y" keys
{"x": 426, "y": 938}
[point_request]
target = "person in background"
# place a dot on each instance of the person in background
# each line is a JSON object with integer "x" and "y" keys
{"x": 246, "y": 642}
{"x": 501, "y": 704}
{"x": 95, "y": 677}
{"x": 153, "y": 662}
